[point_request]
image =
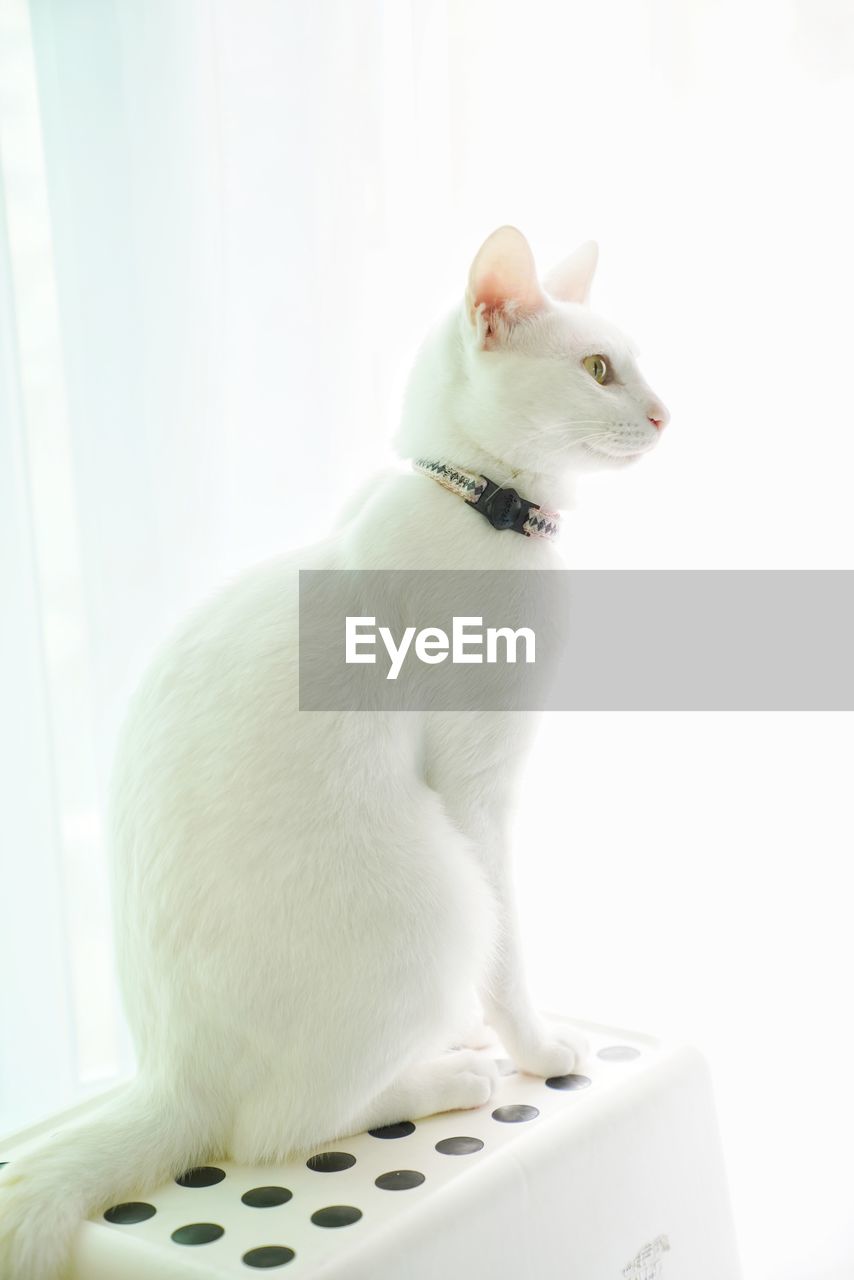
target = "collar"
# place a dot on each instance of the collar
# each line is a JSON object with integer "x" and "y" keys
{"x": 504, "y": 508}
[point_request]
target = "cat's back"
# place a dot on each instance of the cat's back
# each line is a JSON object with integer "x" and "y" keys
{"x": 220, "y": 685}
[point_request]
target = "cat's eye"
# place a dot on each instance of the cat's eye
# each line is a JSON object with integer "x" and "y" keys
{"x": 597, "y": 367}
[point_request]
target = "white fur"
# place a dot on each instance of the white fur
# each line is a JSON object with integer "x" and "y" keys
{"x": 306, "y": 903}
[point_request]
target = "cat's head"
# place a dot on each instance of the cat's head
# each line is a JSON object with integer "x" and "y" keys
{"x": 541, "y": 383}
{"x": 549, "y": 381}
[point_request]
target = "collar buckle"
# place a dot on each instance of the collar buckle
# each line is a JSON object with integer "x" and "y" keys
{"x": 504, "y": 508}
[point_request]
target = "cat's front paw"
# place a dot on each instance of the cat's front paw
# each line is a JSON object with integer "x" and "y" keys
{"x": 544, "y": 1050}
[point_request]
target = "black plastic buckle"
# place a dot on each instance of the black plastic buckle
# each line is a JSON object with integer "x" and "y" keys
{"x": 504, "y": 508}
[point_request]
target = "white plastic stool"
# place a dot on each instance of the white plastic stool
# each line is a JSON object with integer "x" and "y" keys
{"x": 611, "y": 1175}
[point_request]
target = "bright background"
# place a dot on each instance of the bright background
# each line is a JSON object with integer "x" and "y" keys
{"x": 223, "y": 229}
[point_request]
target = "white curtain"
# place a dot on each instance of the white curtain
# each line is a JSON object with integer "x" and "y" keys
{"x": 223, "y": 229}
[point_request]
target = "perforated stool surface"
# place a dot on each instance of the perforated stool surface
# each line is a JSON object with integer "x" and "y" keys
{"x": 613, "y": 1171}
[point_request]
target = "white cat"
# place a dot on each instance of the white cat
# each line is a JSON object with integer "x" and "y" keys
{"x": 306, "y": 902}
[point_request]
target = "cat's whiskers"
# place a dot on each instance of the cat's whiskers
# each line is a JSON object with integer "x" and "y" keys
{"x": 559, "y": 430}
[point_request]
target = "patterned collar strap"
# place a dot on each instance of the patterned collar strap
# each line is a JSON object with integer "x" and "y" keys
{"x": 503, "y": 508}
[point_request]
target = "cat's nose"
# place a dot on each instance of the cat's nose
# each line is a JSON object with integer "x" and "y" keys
{"x": 659, "y": 417}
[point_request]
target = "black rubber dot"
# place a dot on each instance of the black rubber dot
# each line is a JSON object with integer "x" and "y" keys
{"x": 460, "y": 1146}
{"x": 198, "y": 1233}
{"x": 568, "y": 1083}
{"x": 618, "y": 1053}
{"x": 336, "y": 1215}
{"x": 205, "y": 1176}
{"x": 400, "y": 1130}
{"x": 515, "y": 1113}
{"x": 266, "y": 1197}
{"x": 131, "y": 1211}
{"x": 269, "y": 1255}
{"x": 399, "y": 1180}
{"x": 330, "y": 1161}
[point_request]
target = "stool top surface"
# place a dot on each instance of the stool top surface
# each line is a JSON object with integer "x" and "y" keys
{"x": 302, "y": 1217}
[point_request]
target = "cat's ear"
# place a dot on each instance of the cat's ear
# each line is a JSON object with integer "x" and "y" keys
{"x": 503, "y": 283}
{"x": 571, "y": 279}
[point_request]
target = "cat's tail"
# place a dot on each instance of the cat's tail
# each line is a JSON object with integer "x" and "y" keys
{"x": 135, "y": 1141}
